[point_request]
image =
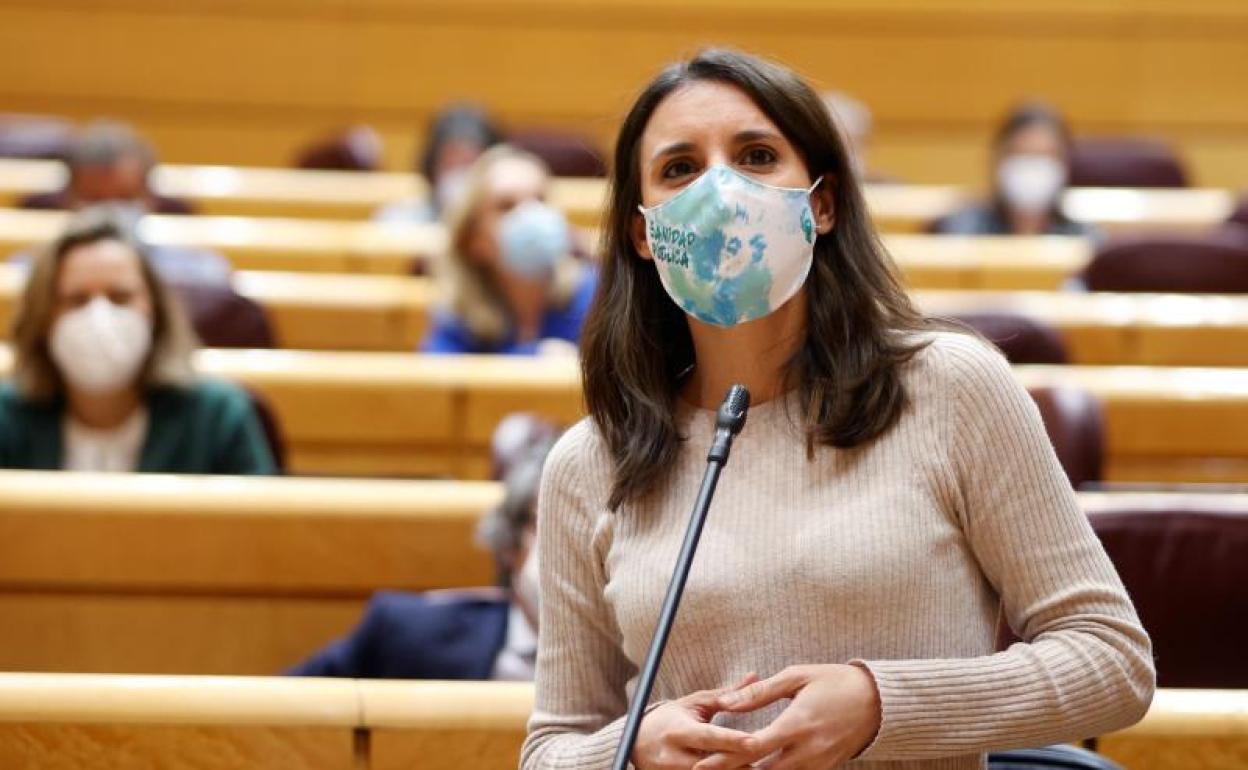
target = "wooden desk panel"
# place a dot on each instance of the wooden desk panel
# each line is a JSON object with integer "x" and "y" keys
{"x": 348, "y": 312}
{"x": 260, "y": 243}
{"x": 240, "y": 535}
{"x": 63, "y": 720}
{"x": 346, "y": 195}
{"x": 407, "y": 414}
{"x": 170, "y": 574}
{"x": 201, "y": 723}
{"x": 1118, "y": 329}
{"x": 926, "y": 261}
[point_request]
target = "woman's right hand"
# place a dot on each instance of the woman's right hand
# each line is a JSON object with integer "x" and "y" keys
{"x": 679, "y": 733}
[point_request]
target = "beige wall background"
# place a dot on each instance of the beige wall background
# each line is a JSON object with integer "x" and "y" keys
{"x": 249, "y": 81}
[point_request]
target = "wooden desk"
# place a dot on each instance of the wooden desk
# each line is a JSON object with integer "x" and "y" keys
{"x": 297, "y": 193}
{"x": 988, "y": 262}
{"x": 183, "y": 574}
{"x": 384, "y": 414}
{"x": 291, "y": 193}
{"x": 332, "y": 311}
{"x": 381, "y": 414}
{"x": 191, "y": 574}
{"x": 246, "y": 723}
{"x": 310, "y": 311}
{"x": 926, "y": 261}
{"x": 260, "y": 243}
{"x": 66, "y": 721}
{"x": 1117, "y": 329}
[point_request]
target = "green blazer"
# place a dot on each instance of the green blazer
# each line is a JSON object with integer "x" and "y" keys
{"x": 208, "y": 427}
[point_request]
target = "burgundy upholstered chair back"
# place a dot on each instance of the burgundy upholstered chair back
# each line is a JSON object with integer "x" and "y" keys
{"x": 223, "y": 318}
{"x": 354, "y": 149}
{"x": 1213, "y": 263}
{"x": 1184, "y": 564}
{"x": 1125, "y": 162}
{"x": 1075, "y": 422}
{"x": 1022, "y": 339}
{"x": 566, "y": 154}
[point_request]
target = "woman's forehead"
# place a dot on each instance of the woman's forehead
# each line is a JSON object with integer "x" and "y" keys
{"x": 516, "y": 176}
{"x": 701, "y": 112}
{"x": 102, "y": 261}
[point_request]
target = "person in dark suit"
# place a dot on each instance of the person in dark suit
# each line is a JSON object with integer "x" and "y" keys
{"x": 476, "y": 633}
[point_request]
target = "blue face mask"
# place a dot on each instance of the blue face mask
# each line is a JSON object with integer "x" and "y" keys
{"x": 730, "y": 249}
{"x": 533, "y": 237}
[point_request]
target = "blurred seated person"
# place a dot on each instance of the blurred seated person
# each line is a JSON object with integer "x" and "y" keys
{"x": 457, "y": 137}
{"x": 853, "y": 119}
{"x": 1031, "y": 162}
{"x": 509, "y": 282}
{"x": 102, "y": 375}
{"x": 476, "y": 633}
{"x": 108, "y": 163}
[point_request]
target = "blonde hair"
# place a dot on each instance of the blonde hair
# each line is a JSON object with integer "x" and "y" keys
{"x": 173, "y": 341}
{"x": 467, "y": 289}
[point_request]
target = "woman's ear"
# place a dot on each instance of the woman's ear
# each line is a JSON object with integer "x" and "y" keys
{"x": 823, "y": 203}
{"x": 639, "y": 237}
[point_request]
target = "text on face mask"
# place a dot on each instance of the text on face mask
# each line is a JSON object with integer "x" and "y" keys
{"x": 671, "y": 244}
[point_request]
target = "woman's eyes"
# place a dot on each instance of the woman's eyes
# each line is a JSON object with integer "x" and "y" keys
{"x": 678, "y": 168}
{"x": 758, "y": 156}
{"x": 751, "y": 156}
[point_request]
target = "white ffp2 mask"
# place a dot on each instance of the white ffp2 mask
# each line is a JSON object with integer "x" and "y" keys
{"x": 100, "y": 346}
{"x": 1031, "y": 183}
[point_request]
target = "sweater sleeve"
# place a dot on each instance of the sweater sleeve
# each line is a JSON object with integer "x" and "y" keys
{"x": 581, "y": 670}
{"x": 1085, "y": 665}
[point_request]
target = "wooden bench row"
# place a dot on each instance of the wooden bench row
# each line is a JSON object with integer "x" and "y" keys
{"x": 314, "y": 311}
{"x": 382, "y": 414}
{"x": 300, "y": 245}
{"x": 240, "y": 723}
{"x": 238, "y": 190}
{"x": 165, "y": 574}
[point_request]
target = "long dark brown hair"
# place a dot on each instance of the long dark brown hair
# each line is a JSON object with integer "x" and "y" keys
{"x": 636, "y": 341}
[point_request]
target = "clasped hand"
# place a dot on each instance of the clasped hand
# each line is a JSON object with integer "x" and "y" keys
{"x": 833, "y": 714}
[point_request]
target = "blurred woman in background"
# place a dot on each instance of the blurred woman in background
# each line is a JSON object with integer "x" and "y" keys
{"x": 509, "y": 282}
{"x": 1031, "y": 162}
{"x": 457, "y": 137}
{"x": 102, "y": 376}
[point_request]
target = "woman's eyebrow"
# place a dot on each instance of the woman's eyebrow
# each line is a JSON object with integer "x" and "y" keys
{"x": 676, "y": 148}
{"x": 754, "y": 135}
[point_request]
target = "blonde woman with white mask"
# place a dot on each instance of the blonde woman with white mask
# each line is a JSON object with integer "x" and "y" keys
{"x": 102, "y": 377}
{"x": 509, "y": 282}
{"x": 1030, "y": 166}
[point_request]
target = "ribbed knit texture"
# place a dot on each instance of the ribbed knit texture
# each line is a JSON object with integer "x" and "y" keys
{"x": 899, "y": 554}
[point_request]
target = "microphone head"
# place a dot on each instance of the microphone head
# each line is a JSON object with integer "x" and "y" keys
{"x": 731, "y": 416}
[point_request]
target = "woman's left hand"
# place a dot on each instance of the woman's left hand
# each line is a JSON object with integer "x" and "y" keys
{"x": 833, "y": 716}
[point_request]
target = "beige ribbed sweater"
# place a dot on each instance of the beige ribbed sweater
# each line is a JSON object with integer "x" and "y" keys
{"x": 899, "y": 554}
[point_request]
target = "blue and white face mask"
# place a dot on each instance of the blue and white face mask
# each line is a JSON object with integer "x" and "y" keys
{"x": 730, "y": 249}
{"x": 533, "y": 237}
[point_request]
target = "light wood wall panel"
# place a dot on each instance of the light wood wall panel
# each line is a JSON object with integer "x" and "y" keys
{"x": 246, "y": 82}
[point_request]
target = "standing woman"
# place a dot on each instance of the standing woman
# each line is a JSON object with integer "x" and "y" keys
{"x": 892, "y": 495}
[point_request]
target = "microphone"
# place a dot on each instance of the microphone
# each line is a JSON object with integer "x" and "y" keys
{"x": 728, "y": 423}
